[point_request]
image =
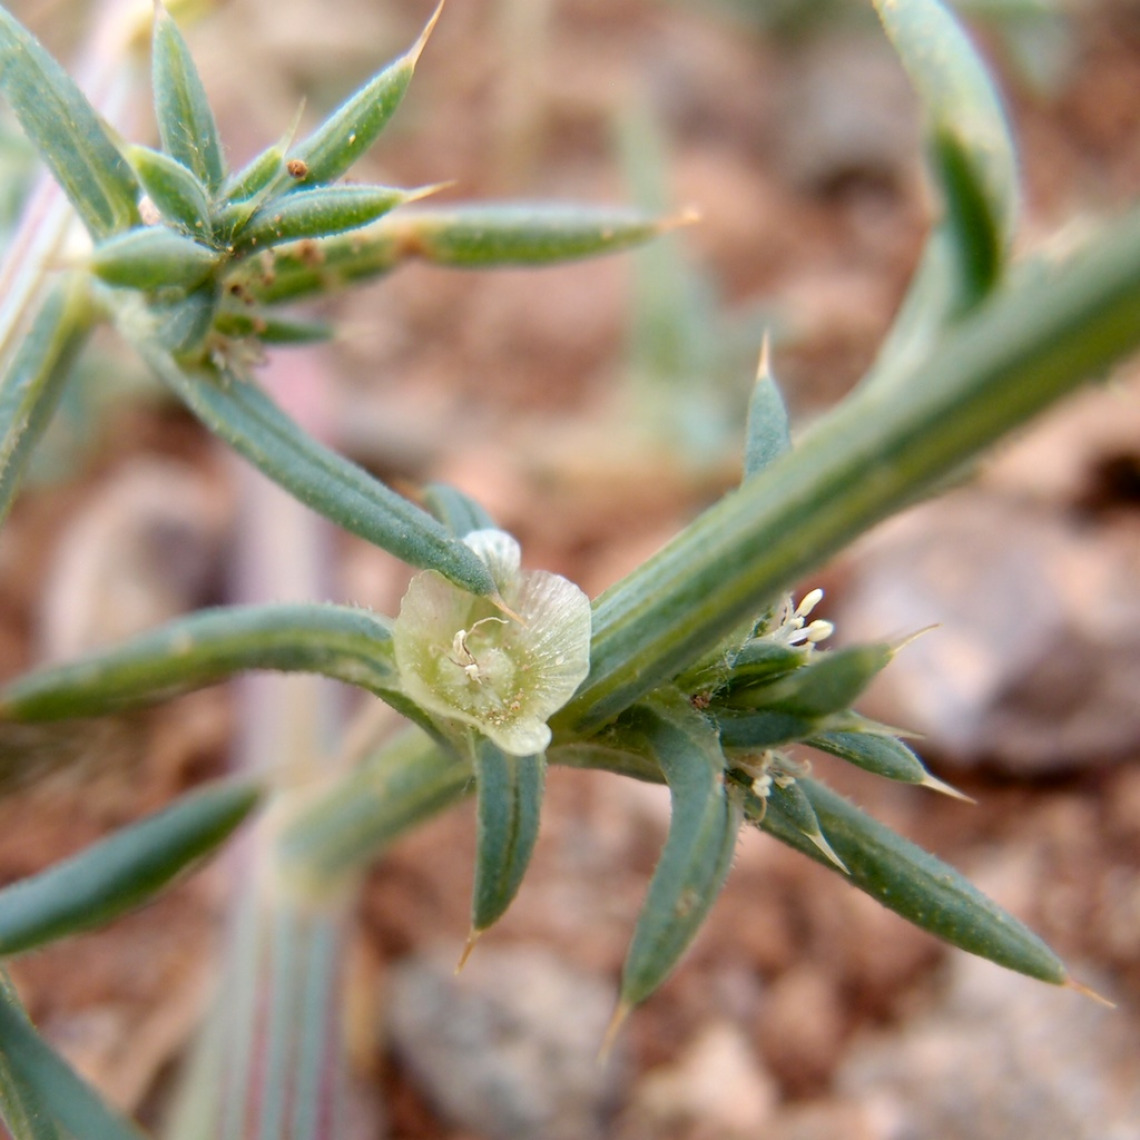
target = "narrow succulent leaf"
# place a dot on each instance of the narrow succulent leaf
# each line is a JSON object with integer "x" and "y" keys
{"x": 48, "y": 1079}
{"x": 154, "y": 257}
{"x": 23, "y": 1112}
{"x": 353, "y": 127}
{"x": 698, "y": 850}
{"x": 958, "y": 97}
{"x": 458, "y": 512}
{"x": 508, "y": 793}
{"x": 792, "y": 803}
{"x": 67, "y": 132}
{"x": 767, "y": 435}
{"x": 123, "y": 871}
{"x": 828, "y": 684}
{"x": 316, "y": 213}
{"x": 238, "y": 412}
{"x": 883, "y": 755}
{"x": 175, "y": 190}
{"x": 916, "y": 885}
{"x": 1037, "y": 339}
{"x": 974, "y": 235}
{"x": 35, "y": 377}
{"x": 483, "y": 236}
{"x": 185, "y": 119}
{"x": 256, "y": 323}
{"x": 342, "y": 829}
{"x": 768, "y": 728}
{"x": 342, "y": 642}
{"x": 181, "y": 322}
{"x": 974, "y": 163}
{"x": 307, "y": 269}
{"x": 255, "y": 176}
{"x": 762, "y": 660}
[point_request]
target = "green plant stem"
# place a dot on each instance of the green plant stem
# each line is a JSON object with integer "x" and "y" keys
{"x": 875, "y": 454}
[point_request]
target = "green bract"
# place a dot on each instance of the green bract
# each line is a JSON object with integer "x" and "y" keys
{"x": 461, "y": 658}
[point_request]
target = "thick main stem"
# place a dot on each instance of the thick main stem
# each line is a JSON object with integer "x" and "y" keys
{"x": 872, "y": 456}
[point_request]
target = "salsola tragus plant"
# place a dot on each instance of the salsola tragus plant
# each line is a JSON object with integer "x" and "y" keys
{"x": 698, "y": 670}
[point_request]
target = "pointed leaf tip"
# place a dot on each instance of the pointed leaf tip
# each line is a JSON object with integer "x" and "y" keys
{"x": 1089, "y": 992}
{"x": 820, "y": 840}
{"x": 472, "y": 938}
{"x": 689, "y": 216}
{"x": 937, "y": 785}
{"x": 416, "y": 50}
{"x": 620, "y": 1014}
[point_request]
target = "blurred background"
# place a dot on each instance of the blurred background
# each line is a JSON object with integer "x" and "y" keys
{"x": 593, "y": 409}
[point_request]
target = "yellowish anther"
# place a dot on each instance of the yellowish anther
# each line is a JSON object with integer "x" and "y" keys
{"x": 1089, "y": 992}
{"x": 468, "y": 946}
{"x": 612, "y": 1030}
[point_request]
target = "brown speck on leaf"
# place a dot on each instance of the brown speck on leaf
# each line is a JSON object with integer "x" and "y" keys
{"x": 297, "y": 167}
{"x": 310, "y": 253}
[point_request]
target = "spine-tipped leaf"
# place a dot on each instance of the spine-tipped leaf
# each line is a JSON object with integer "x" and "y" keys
{"x": 35, "y": 377}
{"x": 316, "y": 213}
{"x": 48, "y": 1080}
{"x": 916, "y": 885}
{"x": 123, "y": 871}
{"x": 874, "y": 752}
{"x": 354, "y": 126}
{"x": 238, "y": 412}
{"x": 154, "y": 257}
{"x": 177, "y": 192}
{"x": 768, "y": 435}
{"x": 487, "y": 236}
{"x": 698, "y": 852}
{"x": 342, "y": 642}
{"x": 185, "y": 119}
{"x": 789, "y": 800}
{"x": 509, "y": 800}
{"x": 67, "y": 132}
{"x": 829, "y": 684}
{"x": 504, "y": 233}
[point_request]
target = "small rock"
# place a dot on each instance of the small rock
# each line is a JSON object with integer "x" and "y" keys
{"x": 848, "y": 113}
{"x": 718, "y": 1086}
{"x": 1001, "y": 1056}
{"x": 507, "y": 1049}
{"x": 1035, "y": 661}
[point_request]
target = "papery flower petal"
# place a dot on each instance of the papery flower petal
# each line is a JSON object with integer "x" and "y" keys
{"x": 462, "y": 659}
{"x": 500, "y": 551}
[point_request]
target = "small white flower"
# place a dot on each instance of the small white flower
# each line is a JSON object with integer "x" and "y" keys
{"x": 463, "y": 659}
{"x": 794, "y": 628}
